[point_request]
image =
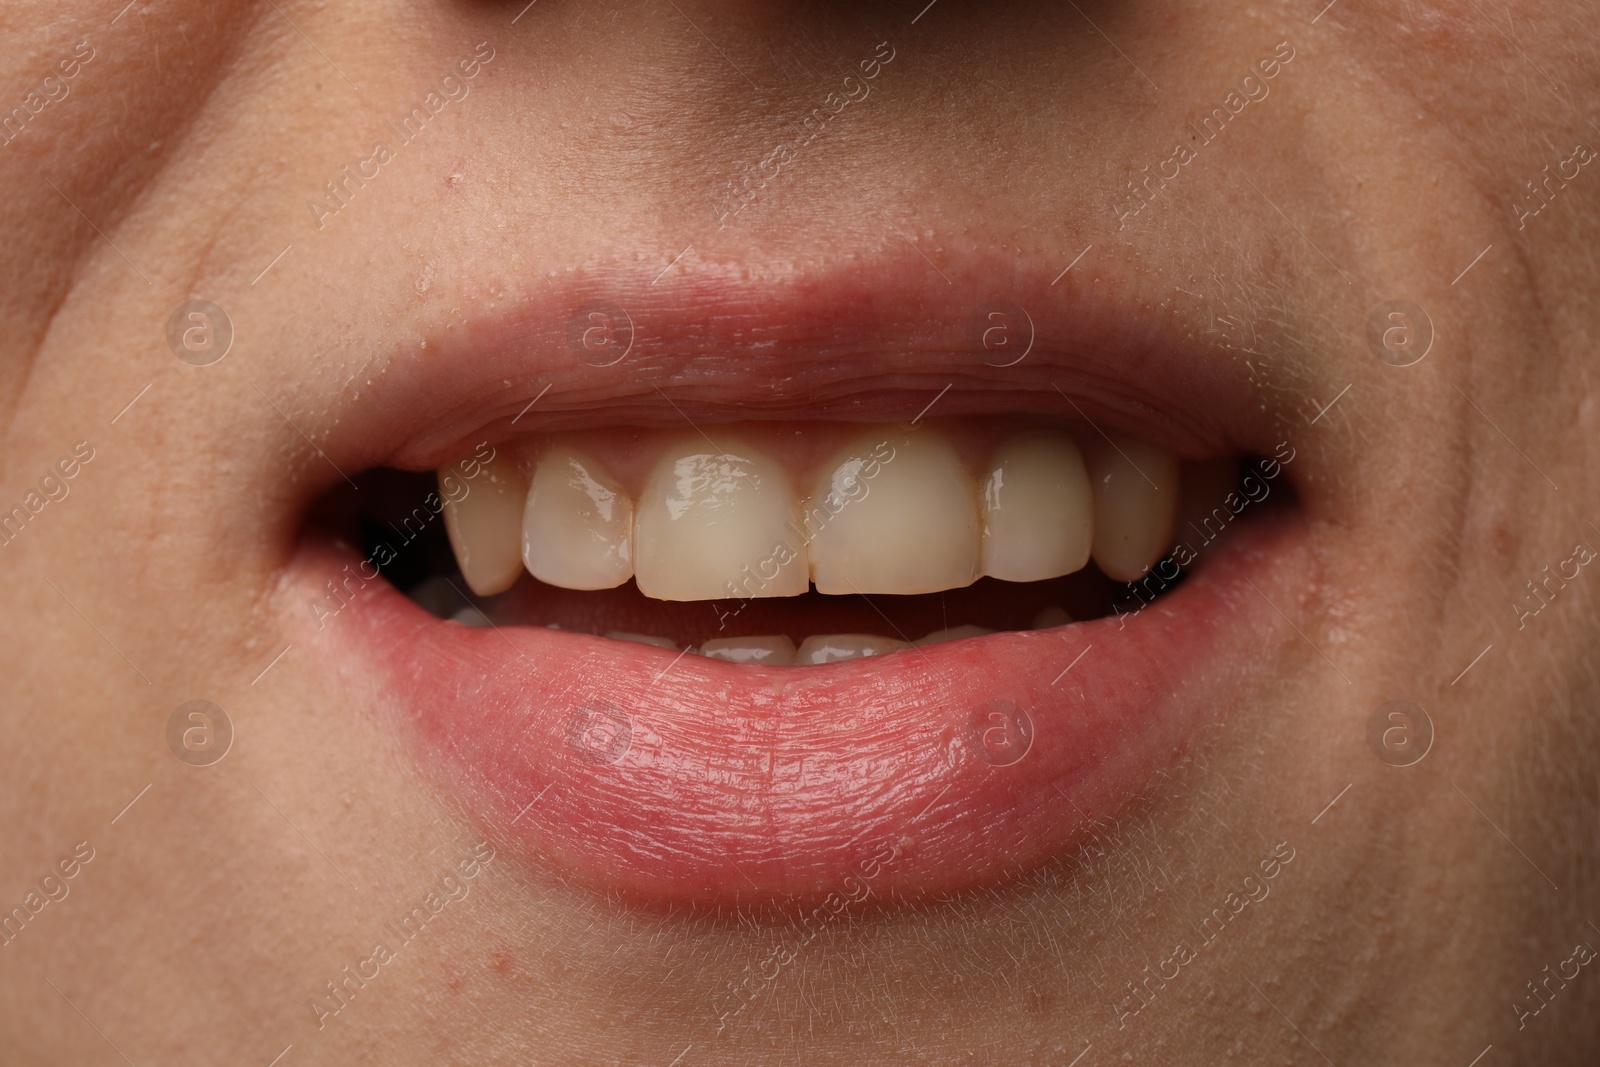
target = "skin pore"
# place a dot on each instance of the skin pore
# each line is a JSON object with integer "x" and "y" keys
{"x": 1428, "y": 152}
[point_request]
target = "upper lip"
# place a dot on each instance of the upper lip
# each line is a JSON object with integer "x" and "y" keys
{"x": 870, "y": 342}
{"x": 874, "y": 342}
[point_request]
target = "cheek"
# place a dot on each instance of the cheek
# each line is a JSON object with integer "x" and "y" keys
{"x": 1439, "y": 29}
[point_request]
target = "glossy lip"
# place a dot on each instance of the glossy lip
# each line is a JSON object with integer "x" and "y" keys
{"x": 689, "y": 780}
{"x": 678, "y": 779}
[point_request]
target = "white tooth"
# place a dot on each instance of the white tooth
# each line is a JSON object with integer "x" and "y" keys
{"x": 774, "y": 651}
{"x": 714, "y": 525}
{"x": 831, "y": 648}
{"x": 435, "y": 596}
{"x": 1050, "y": 618}
{"x": 485, "y": 525}
{"x": 1135, "y": 505}
{"x": 1038, "y": 511}
{"x": 577, "y": 527}
{"x": 641, "y": 639}
{"x": 953, "y": 633}
{"x": 471, "y": 616}
{"x": 895, "y": 513}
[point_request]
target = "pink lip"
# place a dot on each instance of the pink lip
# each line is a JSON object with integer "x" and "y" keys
{"x": 872, "y": 342}
{"x": 691, "y": 780}
{"x": 683, "y": 779}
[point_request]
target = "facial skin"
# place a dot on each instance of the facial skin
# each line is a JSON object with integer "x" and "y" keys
{"x": 1375, "y": 165}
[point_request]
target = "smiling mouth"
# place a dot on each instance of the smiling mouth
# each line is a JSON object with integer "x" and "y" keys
{"x": 734, "y": 632}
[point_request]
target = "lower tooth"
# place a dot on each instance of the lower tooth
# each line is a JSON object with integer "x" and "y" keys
{"x": 471, "y": 616}
{"x": 953, "y": 633}
{"x": 1050, "y": 618}
{"x": 642, "y": 639}
{"x": 831, "y": 648}
{"x": 775, "y": 651}
{"x": 436, "y": 596}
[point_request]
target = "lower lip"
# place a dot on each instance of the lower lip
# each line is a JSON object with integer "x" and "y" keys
{"x": 691, "y": 780}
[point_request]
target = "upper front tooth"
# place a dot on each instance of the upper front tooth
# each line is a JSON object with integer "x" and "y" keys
{"x": 895, "y": 513}
{"x": 718, "y": 524}
{"x": 1135, "y": 505}
{"x": 485, "y": 526}
{"x": 1038, "y": 511}
{"x": 577, "y": 527}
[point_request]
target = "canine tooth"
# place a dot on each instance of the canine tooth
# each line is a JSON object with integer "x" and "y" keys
{"x": 642, "y": 639}
{"x": 1050, "y": 618}
{"x": 1135, "y": 505}
{"x": 713, "y": 525}
{"x": 895, "y": 513}
{"x": 952, "y": 633}
{"x": 1038, "y": 510}
{"x": 577, "y": 526}
{"x": 831, "y": 648}
{"x": 773, "y": 651}
{"x": 485, "y": 527}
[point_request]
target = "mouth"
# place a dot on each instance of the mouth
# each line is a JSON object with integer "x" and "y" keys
{"x": 760, "y": 592}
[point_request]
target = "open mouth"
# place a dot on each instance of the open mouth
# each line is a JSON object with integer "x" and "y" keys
{"x": 791, "y": 544}
{"x": 753, "y": 637}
